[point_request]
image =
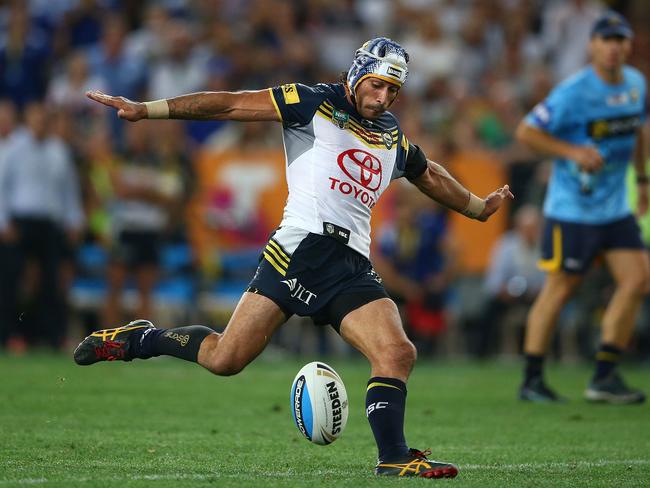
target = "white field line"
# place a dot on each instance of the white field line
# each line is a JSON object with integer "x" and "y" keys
{"x": 285, "y": 474}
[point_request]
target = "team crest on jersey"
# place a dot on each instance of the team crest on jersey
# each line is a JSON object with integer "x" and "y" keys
{"x": 340, "y": 119}
{"x": 388, "y": 139}
{"x": 618, "y": 99}
{"x": 634, "y": 94}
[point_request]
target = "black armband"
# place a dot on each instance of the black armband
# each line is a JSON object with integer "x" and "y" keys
{"x": 416, "y": 162}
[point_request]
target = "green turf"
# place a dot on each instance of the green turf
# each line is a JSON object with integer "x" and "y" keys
{"x": 166, "y": 423}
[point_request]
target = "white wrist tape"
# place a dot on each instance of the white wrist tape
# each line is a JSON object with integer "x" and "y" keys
{"x": 474, "y": 207}
{"x": 158, "y": 109}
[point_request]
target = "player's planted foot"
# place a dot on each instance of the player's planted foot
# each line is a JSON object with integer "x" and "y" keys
{"x": 535, "y": 390}
{"x": 111, "y": 344}
{"x": 612, "y": 389}
{"x": 415, "y": 463}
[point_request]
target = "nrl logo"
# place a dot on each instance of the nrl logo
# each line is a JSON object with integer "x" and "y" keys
{"x": 388, "y": 139}
{"x": 340, "y": 119}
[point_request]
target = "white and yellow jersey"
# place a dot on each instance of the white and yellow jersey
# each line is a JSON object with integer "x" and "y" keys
{"x": 338, "y": 164}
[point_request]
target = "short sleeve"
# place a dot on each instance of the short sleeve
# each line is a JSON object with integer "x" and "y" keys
{"x": 297, "y": 103}
{"x": 554, "y": 113}
{"x": 416, "y": 162}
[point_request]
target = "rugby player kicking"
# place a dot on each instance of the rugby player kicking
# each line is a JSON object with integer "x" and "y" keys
{"x": 343, "y": 148}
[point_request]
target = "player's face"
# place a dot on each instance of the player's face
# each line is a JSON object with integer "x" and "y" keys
{"x": 36, "y": 118}
{"x": 374, "y": 96}
{"x": 609, "y": 53}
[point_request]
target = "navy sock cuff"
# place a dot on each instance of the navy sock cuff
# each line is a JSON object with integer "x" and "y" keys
{"x": 383, "y": 381}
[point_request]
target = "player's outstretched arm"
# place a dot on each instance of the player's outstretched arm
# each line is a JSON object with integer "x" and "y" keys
{"x": 241, "y": 106}
{"x": 439, "y": 185}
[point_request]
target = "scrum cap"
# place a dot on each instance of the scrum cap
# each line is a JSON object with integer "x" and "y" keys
{"x": 381, "y": 58}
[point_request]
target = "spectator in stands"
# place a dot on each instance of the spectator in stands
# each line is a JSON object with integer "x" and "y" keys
{"x": 109, "y": 60}
{"x": 145, "y": 193}
{"x": 415, "y": 258}
{"x": 101, "y": 163}
{"x": 23, "y": 58}
{"x": 66, "y": 90}
{"x": 39, "y": 208}
{"x": 7, "y": 131}
{"x": 434, "y": 55}
{"x": 7, "y": 123}
{"x": 565, "y": 31}
{"x": 182, "y": 65}
{"x": 511, "y": 284}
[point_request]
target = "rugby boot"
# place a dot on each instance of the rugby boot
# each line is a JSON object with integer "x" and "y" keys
{"x": 536, "y": 391}
{"x": 612, "y": 389}
{"x": 111, "y": 344}
{"x": 416, "y": 464}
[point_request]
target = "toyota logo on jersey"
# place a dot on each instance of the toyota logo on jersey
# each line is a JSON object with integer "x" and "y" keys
{"x": 362, "y": 167}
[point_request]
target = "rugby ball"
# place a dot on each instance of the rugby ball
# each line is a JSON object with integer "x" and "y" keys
{"x": 319, "y": 403}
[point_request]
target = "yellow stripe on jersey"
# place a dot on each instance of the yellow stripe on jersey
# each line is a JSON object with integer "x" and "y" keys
{"x": 282, "y": 253}
{"x": 367, "y": 143}
{"x": 554, "y": 263}
{"x": 290, "y": 93}
{"x": 405, "y": 144}
{"x": 327, "y": 107}
{"x": 275, "y": 104}
{"x": 270, "y": 259}
{"x": 278, "y": 259}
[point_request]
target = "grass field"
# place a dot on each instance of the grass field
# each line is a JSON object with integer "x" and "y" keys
{"x": 166, "y": 423}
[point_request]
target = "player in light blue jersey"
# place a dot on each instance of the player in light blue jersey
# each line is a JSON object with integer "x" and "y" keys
{"x": 591, "y": 124}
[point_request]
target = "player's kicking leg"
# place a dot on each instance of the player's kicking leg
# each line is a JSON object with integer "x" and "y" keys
{"x": 375, "y": 329}
{"x": 247, "y": 334}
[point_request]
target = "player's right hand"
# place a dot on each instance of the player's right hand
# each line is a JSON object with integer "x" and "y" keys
{"x": 588, "y": 158}
{"x": 126, "y": 109}
{"x": 494, "y": 201}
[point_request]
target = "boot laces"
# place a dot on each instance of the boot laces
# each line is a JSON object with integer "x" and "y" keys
{"x": 420, "y": 454}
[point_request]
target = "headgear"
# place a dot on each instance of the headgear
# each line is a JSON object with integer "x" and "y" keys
{"x": 381, "y": 58}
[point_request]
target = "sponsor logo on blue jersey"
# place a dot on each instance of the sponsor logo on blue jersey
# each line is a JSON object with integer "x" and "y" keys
{"x": 617, "y": 126}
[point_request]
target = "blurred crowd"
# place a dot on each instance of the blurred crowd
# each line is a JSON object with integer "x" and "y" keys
{"x": 477, "y": 66}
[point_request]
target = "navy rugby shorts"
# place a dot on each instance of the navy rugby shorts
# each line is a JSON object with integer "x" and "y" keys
{"x": 322, "y": 278}
{"x": 572, "y": 247}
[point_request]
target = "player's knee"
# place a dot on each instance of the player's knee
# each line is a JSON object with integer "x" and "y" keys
{"x": 633, "y": 290}
{"x": 227, "y": 365}
{"x": 637, "y": 284}
{"x": 401, "y": 356}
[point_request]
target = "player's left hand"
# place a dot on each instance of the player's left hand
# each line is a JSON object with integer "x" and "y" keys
{"x": 126, "y": 109}
{"x": 494, "y": 201}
